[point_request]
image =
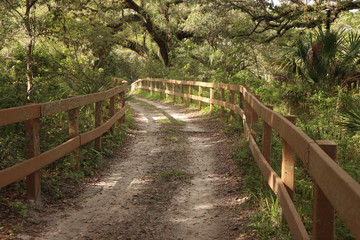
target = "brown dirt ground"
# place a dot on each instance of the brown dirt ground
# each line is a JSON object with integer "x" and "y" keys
{"x": 174, "y": 179}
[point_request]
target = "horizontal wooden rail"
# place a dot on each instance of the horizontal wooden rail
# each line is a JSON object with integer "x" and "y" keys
{"x": 342, "y": 191}
{"x": 19, "y": 114}
{"x": 24, "y": 113}
{"x": 35, "y": 162}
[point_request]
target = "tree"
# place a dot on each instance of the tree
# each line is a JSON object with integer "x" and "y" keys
{"x": 269, "y": 21}
{"x": 27, "y": 19}
{"x": 325, "y": 59}
{"x": 161, "y": 20}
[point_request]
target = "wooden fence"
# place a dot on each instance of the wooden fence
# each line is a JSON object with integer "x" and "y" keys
{"x": 333, "y": 187}
{"x": 31, "y": 115}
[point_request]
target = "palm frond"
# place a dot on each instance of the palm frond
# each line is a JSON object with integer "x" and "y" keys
{"x": 350, "y": 117}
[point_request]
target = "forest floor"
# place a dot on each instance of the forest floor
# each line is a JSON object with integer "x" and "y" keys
{"x": 173, "y": 179}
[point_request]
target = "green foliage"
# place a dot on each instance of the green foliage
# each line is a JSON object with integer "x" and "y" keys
{"x": 266, "y": 221}
{"x": 246, "y": 79}
{"x": 80, "y": 46}
{"x": 173, "y": 174}
{"x": 319, "y": 121}
{"x": 234, "y": 127}
{"x": 20, "y": 208}
{"x": 324, "y": 59}
{"x": 271, "y": 93}
{"x": 12, "y": 145}
{"x": 349, "y": 20}
{"x": 59, "y": 178}
{"x": 350, "y": 117}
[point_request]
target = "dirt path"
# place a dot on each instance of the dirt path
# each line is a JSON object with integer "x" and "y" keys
{"x": 173, "y": 180}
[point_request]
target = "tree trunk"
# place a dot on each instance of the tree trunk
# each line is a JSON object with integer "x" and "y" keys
{"x": 30, "y": 48}
{"x": 164, "y": 52}
{"x": 158, "y": 35}
{"x": 29, "y": 68}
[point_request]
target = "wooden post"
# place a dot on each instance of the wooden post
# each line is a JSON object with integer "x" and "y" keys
{"x": 190, "y": 93}
{"x": 241, "y": 103}
{"x": 251, "y": 114}
{"x": 211, "y": 98}
{"x": 33, "y": 181}
{"x": 255, "y": 117}
{"x": 247, "y": 111}
{"x": 247, "y": 108}
{"x": 222, "y": 96}
{"x": 121, "y": 104}
{"x": 159, "y": 87}
{"x": 323, "y": 211}
{"x": 98, "y": 123}
{"x": 232, "y": 101}
{"x": 288, "y": 163}
{"x": 112, "y": 109}
{"x": 112, "y": 106}
{"x": 241, "y": 100}
{"x": 200, "y": 93}
{"x": 74, "y": 132}
{"x": 167, "y": 90}
{"x": 174, "y": 90}
{"x": 182, "y": 93}
{"x": 266, "y": 141}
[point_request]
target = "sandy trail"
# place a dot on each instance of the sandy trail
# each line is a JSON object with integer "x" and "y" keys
{"x": 193, "y": 208}
{"x": 130, "y": 203}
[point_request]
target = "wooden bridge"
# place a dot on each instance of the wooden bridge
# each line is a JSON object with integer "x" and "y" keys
{"x": 334, "y": 189}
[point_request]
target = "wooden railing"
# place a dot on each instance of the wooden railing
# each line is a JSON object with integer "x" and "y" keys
{"x": 31, "y": 115}
{"x": 333, "y": 187}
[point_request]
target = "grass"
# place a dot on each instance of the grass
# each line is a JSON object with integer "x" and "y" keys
{"x": 174, "y": 139}
{"x": 171, "y": 121}
{"x": 172, "y": 134}
{"x": 60, "y": 178}
{"x": 266, "y": 222}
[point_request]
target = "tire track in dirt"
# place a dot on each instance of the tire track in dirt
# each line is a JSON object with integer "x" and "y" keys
{"x": 135, "y": 200}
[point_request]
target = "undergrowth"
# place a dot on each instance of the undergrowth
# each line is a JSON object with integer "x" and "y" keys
{"x": 59, "y": 180}
{"x": 56, "y": 186}
{"x": 267, "y": 222}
